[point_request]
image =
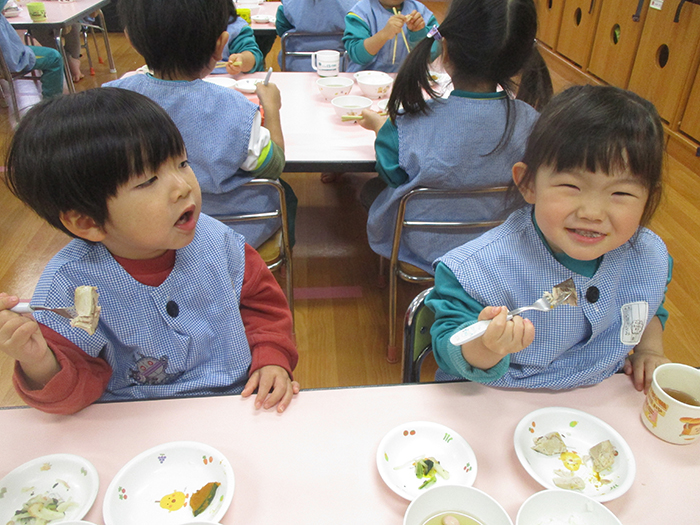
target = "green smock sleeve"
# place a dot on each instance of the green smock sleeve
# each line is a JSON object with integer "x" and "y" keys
{"x": 245, "y": 41}
{"x": 386, "y": 148}
{"x": 356, "y": 31}
{"x": 282, "y": 25}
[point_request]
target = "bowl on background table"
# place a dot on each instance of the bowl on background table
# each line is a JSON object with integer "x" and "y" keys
{"x": 331, "y": 87}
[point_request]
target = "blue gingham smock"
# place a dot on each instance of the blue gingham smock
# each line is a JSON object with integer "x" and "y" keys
{"x": 573, "y": 346}
{"x": 153, "y": 352}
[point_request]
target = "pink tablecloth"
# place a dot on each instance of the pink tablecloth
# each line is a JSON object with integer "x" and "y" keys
{"x": 315, "y": 464}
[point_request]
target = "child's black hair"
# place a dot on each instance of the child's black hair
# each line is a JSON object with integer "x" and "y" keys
{"x": 599, "y": 128}
{"x": 232, "y": 13}
{"x": 73, "y": 152}
{"x": 485, "y": 41}
{"x": 175, "y": 37}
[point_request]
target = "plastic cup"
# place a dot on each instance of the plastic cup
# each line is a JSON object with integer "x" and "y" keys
{"x": 37, "y": 11}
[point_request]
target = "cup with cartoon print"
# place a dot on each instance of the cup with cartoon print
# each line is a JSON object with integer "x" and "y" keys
{"x": 671, "y": 409}
{"x": 37, "y": 11}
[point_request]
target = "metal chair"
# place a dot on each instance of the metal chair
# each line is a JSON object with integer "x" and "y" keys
{"x": 276, "y": 251}
{"x": 9, "y": 77}
{"x": 322, "y": 38}
{"x": 90, "y": 25}
{"x": 410, "y": 273}
{"x": 417, "y": 342}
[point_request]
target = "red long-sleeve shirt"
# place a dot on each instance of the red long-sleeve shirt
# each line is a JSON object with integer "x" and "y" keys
{"x": 83, "y": 378}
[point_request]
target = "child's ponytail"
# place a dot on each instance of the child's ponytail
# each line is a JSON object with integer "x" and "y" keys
{"x": 411, "y": 81}
{"x": 535, "y": 82}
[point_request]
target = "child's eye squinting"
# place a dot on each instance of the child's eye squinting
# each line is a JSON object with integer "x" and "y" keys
{"x": 148, "y": 182}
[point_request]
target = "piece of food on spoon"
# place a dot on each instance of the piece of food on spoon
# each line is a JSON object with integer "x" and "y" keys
{"x": 87, "y": 308}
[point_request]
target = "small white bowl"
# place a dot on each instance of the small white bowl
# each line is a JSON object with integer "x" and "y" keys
{"x": 374, "y": 84}
{"x": 260, "y": 19}
{"x": 382, "y": 105}
{"x": 564, "y": 506}
{"x": 458, "y": 499}
{"x": 331, "y": 87}
{"x": 350, "y": 105}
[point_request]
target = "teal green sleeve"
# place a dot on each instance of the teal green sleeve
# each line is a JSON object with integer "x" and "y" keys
{"x": 416, "y": 36}
{"x": 662, "y": 313}
{"x": 356, "y": 31}
{"x": 386, "y": 148}
{"x": 455, "y": 309}
{"x": 245, "y": 41}
{"x": 282, "y": 25}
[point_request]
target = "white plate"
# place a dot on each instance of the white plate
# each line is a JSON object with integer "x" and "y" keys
{"x": 13, "y": 12}
{"x": 580, "y": 432}
{"x": 68, "y": 477}
{"x": 247, "y": 85}
{"x": 222, "y": 81}
{"x": 260, "y": 19}
{"x": 156, "y": 486}
{"x": 419, "y": 439}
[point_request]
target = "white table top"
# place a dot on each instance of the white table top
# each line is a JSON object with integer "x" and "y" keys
{"x": 315, "y": 138}
{"x": 315, "y": 464}
{"x": 58, "y": 14}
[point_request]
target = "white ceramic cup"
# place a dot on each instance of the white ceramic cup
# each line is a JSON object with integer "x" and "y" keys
{"x": 666, "y": 417}
{"x": 326, "y": 62}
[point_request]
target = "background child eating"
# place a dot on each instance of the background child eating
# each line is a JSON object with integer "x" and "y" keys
{"x": 226, "y": 141}
{"x": 591, "y": 176}
{"x": 187, "y": 307}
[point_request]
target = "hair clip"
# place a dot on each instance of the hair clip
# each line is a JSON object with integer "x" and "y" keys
{"x": 434, "y": 33}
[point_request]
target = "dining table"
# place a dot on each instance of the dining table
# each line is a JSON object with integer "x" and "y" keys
{"x": 315, "y": 138}
{"x": 268, "y": 9}
{"x": 60, "y": 15}
{"x": 316, "y": 462}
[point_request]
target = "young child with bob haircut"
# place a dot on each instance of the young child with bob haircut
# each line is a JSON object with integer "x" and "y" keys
{"x": 374, "y": 33}
{"x": 226, "y": 141}
{"x": 187, "y": 307}
{"x": 591, "y": 178}
{"x": 468, "y": 140}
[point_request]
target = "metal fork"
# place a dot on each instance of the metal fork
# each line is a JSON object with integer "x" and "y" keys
{"x": 471, "y": 332}
{"x": 25, "y": 308}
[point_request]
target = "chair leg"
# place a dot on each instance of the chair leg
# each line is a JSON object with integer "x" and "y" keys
{"x": 381, "y": 278}
{"x": 290, "y": 288}
{"x": 392, "y": 353}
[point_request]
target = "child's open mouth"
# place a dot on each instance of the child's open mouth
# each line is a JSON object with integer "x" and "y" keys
{"x": 186, "y": 220}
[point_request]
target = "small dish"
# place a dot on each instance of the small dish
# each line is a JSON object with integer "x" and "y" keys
{"x": 226, "y": 82}
{"x": 374, "y": 84}
{"x": 350, "y": 105}
{"x": 260, "y": 19}
{"x": 247, "y": 85}
{"x": 382, "y": 104}
{"x": 454, "y": 499}
{"x": 580, "y": 431}
{"x": 403, "y": 445}
{"x": 161, "y": 485}
{"x": 66, "y": 477}
{"x": 331, "y": 87}
{"x": 564, "y": 506}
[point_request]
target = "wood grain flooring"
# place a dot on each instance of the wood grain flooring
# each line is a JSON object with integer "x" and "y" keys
{"x": 341, "y": 311}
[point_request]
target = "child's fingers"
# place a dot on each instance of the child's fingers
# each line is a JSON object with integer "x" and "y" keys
{"x": 490, "y": 312}
{"x": 8, "y": 301}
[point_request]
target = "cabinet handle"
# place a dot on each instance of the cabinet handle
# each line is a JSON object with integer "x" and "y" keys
{"x": 677, "y": 18}
{"x": 590, "y": 9}
{"x": 638, "y": 12}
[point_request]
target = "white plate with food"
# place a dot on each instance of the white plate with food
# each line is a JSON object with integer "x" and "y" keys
{"x": 171, "y": 484}
{"x": 55, "y": 487}
{"x": 417, "y": 456}
{"x": 247, "y": 85}
{"x": 569, "y": 449}
{"x": 227, "y": 82}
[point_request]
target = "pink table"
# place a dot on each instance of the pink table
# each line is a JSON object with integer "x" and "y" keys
{"x": 315, "y": 464}
{"x": 60, "y": 15}
{"x": 315, "y": 138}
{"x": 268, "y": 9}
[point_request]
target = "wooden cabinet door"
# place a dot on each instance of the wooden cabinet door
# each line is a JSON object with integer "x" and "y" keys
{"x": 577, "y": 29}
{"x": 690, "y": 124}
{"x": 616, "y": 40}
{"x": 548, "y": 21}
{"x": 666, "y": 56}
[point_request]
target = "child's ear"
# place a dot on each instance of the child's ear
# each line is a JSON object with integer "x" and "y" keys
{"x": 221, "y": 44}
{"x": 528, "y": 193}
{"x": 82, "y": 226}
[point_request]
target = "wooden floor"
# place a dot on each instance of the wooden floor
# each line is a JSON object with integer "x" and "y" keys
{"x": 341, "y": 312}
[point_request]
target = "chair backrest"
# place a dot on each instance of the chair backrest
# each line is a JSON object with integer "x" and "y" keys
{"x": 284, "y": 254}
{"x": 447, "y": 229}
{"x": 417, "y": 342}
{"x": 292, "y": 42}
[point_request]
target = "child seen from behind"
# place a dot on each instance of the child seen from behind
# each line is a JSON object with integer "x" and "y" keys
{"x": 226, "y": 141}
{"x": 469, "y": 140}
{"x": 591, "y": 178}
{"x": 187, "y": 308}
{"x": 374, "y": 33}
